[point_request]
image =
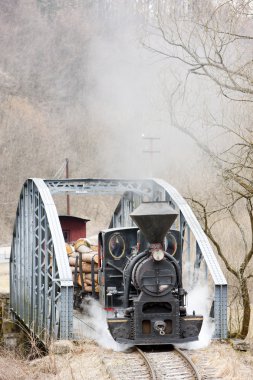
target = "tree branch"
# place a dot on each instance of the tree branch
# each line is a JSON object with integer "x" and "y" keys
{"x": 209, "y": 234}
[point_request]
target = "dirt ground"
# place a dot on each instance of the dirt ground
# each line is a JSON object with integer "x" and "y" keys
{"x": 227, "y": 362}
{"x": 84, "y": 361}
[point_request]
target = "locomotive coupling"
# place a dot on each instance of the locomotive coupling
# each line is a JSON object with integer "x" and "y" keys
{"x": 160, "y": 327}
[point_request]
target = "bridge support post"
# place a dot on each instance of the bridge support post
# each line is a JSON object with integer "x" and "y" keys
{"x": 220, "y": 311}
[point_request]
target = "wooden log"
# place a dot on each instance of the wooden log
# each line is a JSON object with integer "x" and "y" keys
{"x": 88, "y": 289}
{"x": 86, "y": 281}
{"x": 81, "y": 243}
{"x": 73, "y": 269}
{"x": 69, "y": 248}
{"x": 89, "y": 282}
{"x": 87, "y": 257}
{"x": 84, "y": 249}
{"x": 73, "y": 254}
{"x": 88, "y": 276}
{"x": 72, "y": 261}
{"x": 86, "y": 268}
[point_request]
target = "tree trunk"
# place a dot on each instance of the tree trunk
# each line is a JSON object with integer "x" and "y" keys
{"x": 246, "y": 307}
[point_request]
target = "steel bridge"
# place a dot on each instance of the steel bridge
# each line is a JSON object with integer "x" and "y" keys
{"x": 41, "y": 287}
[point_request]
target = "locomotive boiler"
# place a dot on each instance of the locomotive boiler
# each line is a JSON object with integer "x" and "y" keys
{"x": 140, "y": 280}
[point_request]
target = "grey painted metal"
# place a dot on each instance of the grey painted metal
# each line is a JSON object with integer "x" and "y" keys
{"x": 204, "y": 248}
{"x": 39, "y": 251}
{"x": 41, "y": 288}
{"x": 220, "y": 312}
{"x": 99, "y": 186}
{"x": 199, "y": 234}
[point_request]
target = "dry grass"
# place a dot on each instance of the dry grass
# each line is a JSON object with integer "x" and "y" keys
{"x": 227, "y": 363}
{"x": 231, "y": 364}
{"x": 12, "y": 367}
{"x": 83, "y": 362}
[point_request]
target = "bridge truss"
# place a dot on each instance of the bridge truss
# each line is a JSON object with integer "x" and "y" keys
{"x": 41, "y": 287}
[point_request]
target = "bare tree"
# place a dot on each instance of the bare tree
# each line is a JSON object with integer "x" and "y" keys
{"x": 214, "y": 43}
{"x": 239, "y": 269}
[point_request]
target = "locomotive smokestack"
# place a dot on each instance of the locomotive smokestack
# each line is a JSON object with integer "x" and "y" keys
{"x": 154, "y": 220}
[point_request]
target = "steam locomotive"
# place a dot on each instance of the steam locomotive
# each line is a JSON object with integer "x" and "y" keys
{"x": 140, "y": 280}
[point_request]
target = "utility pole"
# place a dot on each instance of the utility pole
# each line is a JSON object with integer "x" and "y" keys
{"x": 151, "y": 151}
{"x": 67, "y": 176}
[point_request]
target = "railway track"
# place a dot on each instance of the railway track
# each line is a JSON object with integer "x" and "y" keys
{"x": 148, "y": 365}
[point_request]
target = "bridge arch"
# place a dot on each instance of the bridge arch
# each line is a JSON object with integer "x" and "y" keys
{"x": 41, "y": 288}
{"x": 41, "y": 291}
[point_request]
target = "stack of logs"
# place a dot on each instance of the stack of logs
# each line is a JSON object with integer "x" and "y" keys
{"x": 80, "y": 255}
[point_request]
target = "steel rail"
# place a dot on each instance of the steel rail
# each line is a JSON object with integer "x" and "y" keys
{"x": 150, "y": 368}
{"x": 190, "y": 362}
{"x": 186, "y": 359}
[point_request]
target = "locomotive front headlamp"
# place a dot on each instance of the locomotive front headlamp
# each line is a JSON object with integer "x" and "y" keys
{"x": 158, "y": 254}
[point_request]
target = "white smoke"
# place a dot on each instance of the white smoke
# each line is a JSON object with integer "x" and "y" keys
{"x": 199, "y": 302}
{"x": 92, "y": 324}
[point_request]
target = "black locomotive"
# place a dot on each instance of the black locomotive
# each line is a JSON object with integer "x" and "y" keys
{"x": 140, "y": 280}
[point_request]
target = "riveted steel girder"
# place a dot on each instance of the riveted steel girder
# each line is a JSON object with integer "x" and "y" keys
{"x": 135, "y": 191}
{"x": 41, "y": 285}
{"x": 40, "y": 278}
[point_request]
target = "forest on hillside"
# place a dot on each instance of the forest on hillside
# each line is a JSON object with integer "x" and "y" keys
{"x": 85, "y": 80}
{"x": 78, "y": 82}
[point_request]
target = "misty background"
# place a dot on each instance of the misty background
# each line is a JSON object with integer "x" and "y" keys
{"x": 78, "y": 80}
{"x": 90, "y": 80}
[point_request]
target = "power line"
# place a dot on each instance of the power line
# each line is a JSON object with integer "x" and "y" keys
{"x": 151, "y": 151}
{"x": 60, "y": 171}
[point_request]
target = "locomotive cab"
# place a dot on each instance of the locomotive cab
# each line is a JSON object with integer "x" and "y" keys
{"x": 115, "y": 248}
{"x": 141, "y": 281}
